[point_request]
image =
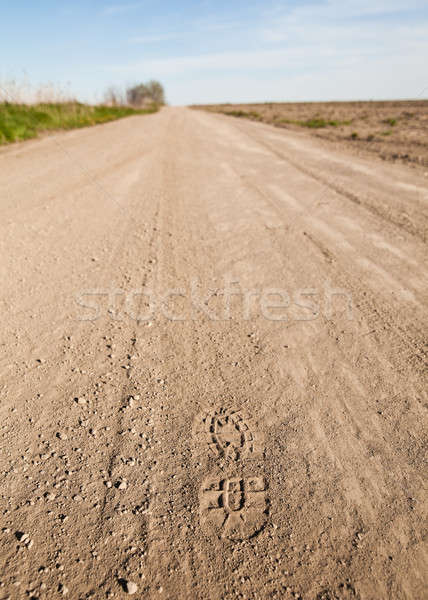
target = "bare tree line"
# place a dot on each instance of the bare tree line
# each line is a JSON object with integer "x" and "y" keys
{"x": 139, "y": 95}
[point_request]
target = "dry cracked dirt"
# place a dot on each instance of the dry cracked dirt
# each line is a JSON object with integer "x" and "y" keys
{"x": 213, "y": 378}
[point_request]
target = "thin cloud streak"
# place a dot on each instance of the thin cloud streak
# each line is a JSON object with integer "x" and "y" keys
{"x": 195, "y": 28}
{"x": 155, "y": 38}
{"x": 321, "y": 48}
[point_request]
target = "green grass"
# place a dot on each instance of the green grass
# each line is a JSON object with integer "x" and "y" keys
{"x": 315, "y": 123}
{"x": 318, "y": 123}
{"x": 391, "y": 122}
{"x": 243, "y": 114}
{"x": 22, "y": 121}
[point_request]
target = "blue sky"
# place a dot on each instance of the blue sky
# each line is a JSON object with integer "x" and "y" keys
{"x": 219, "y": 51}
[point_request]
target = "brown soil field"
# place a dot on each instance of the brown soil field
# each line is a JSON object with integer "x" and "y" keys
{"x": 393, "y": 130}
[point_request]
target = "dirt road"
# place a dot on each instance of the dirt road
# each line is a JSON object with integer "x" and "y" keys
{"x": 212, "y": 371}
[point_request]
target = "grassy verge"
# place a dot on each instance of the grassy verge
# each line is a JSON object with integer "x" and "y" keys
{"x": 22, "y": 121}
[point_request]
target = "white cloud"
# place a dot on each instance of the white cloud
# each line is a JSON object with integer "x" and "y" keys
{"x": 373, "y": 80}
{"x": 337, "y": 19}
{"x": 317, "y": 51}
{"x": 344, "y": 9}
{"x": 223, "y": 61}
{"x": 195, "y": 27}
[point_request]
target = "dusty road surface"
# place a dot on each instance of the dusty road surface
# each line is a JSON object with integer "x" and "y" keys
{"x": 212, "y": 370}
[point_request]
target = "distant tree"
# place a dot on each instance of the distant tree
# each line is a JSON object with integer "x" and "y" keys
{"x": 114, "y": 96}
{"x": 136, "y": 95}
{"x": 146, "y": 93}
{"x": 156, "y": 91}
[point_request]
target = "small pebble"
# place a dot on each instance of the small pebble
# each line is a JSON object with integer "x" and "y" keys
{"x": 63, "y": 589}
{"x": 130, "y": 587}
